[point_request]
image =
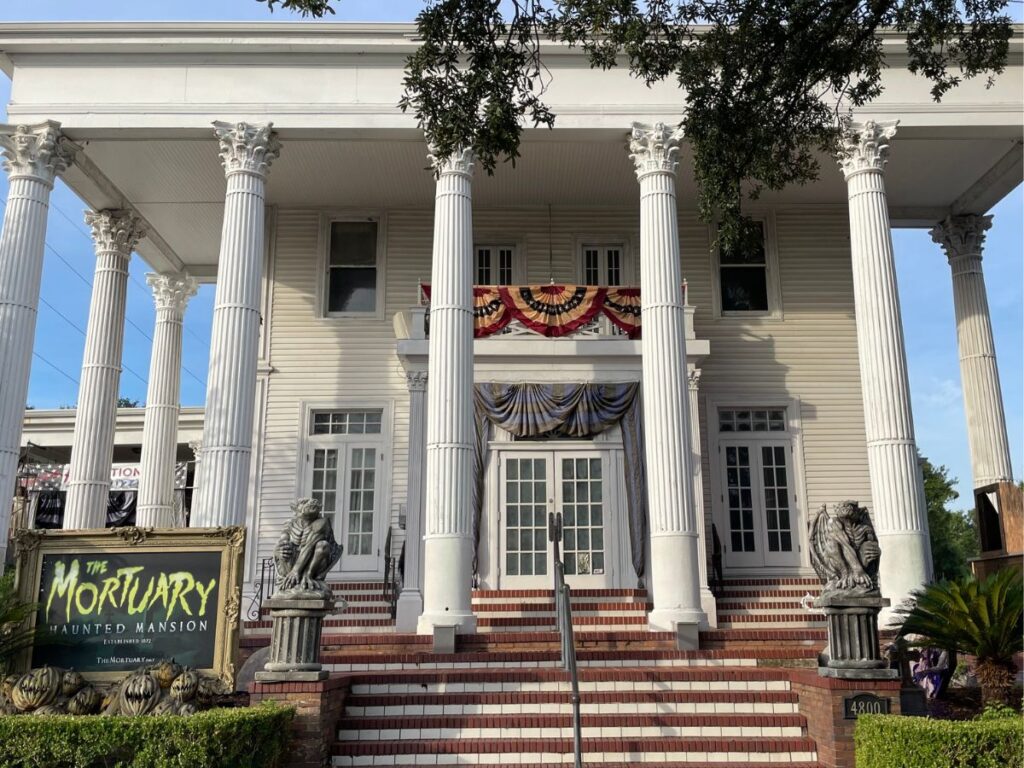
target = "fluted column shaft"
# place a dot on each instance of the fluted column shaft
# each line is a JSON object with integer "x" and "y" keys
{"x": 246, "y": 152}
{"x": 448, "y": 534}
{"x": 33, "y": 157}
{"x": 897, "y": 491}
{"x": 707, "y": 600}
{"x": 163, "y": 402}
{"x": 675, "y": 556}
{"x": 410, "y": 602}
{"x": 962, "y": 238}
{"x": 115, "y": 235}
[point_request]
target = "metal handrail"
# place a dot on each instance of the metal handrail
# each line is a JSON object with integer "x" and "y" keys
{"x": 563, "y": 619}
{"x": 262, "y": 588}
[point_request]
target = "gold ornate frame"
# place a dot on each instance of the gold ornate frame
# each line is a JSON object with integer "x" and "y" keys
{"x": 30, "y": 546}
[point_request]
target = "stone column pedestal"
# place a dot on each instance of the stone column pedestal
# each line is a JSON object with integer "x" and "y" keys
{"x": 295, "y": 639}
{"x": 854, "y": 652}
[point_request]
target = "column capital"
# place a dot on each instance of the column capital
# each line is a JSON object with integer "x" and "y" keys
{"x": 416, "y": 381}
{"x": 172, "y": 290}
{"x": 693, "y": 378}
{"x": 865, "y": 146}
{"x": 35, "y": 150}
{"x": 117, "y": 231}
{"x": 459, "y": 161}
{"x": 654, "y": 148}
{"x": 247, "y": 148}
{"x": 961, "y": 235}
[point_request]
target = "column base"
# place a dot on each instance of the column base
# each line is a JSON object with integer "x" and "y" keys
{"x": 709, "y": 605}
{"x": 464, "y": 623}
{"x": 408, "y": 610}
{"x": 905, "y": 565}
{"x": 666, "y": 619}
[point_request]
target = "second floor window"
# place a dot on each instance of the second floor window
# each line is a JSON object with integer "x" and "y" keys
{"x": 352, "y": 267}
{"x": 494, "y": 265}
{"x": 743, "y": 272}
{"x": 603, "y": 265}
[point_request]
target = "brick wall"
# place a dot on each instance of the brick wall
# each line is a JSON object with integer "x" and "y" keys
{"x": 821, "y": 702}
{"x": 318, "y": 708}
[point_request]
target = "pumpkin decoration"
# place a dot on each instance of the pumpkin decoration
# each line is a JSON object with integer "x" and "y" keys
{"x": 188, "y": 708}
{"x": 71, "y": 682}
{"x": 50, "y": 709}
{"x": 7, "y": 706}
{"x": 166, "y": 706}
{"x": 36, "y": 689}
{"x": 86, "y": 701}
{"x": 139, "y": 694}
{"x": 8, "y": 685}
{"x": 185, "y": 686}
{"x": 165, "y": 671}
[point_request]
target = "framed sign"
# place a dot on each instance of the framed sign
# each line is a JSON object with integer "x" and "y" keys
{"x": 111, "y": 600}
{"x": 864, "y": 704}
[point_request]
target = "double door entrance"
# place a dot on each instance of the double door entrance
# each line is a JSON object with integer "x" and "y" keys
{"x": 532, "y": 484}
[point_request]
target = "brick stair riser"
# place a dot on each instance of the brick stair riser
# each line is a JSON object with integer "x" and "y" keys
{"x": 586, "y": 686}
{"x": 512, "y": 732}
{"x": 626, "y": 751}
{"x": 405, "y": 761}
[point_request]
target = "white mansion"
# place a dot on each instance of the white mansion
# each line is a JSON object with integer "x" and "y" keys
{"x": 443, "y": 358}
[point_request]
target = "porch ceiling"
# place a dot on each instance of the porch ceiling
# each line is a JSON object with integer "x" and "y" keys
{"x": 177, "y": 183}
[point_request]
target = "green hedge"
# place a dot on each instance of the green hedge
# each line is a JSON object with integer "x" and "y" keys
{"x": 253, "y": 737}
{"x": 885, "y": 741}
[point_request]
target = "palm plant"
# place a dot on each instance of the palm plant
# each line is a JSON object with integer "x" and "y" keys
{"x": 984, "y": 619}
{"x": 15, "y": 635}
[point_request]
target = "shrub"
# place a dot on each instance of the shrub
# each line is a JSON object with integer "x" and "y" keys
{"x": 984, "y": 619}
{"x": 884, "y": 741}
{"x": 253, "y": 737}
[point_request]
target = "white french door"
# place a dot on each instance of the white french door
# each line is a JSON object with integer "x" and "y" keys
{"x": 759, "y": 504}
{"x": 534, "y": 483}
{"x": 345, "y": 480}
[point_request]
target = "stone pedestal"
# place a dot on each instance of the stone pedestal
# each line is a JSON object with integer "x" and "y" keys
{"x": 854, "y": 652}
{"x": 295, "y": 640}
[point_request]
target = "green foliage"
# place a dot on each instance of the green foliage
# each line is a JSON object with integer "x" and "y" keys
{"x": 254, "y": 737}
{"x": 954, "y": 539}
{"x": 997, "y": 712}
{"x": 764, "y": 84}
{"x": 127, "y": 402}
{"x": 984, "y": 619}
{"x": 884, "y": 741}
{"x": 14, "y": 636}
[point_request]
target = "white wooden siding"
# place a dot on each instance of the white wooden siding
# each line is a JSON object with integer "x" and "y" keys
{"x": 810, "y": 355}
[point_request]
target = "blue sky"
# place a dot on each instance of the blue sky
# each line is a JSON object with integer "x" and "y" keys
{"x": 923, "y": 274}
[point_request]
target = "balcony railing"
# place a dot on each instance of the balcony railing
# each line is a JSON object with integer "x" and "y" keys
{"x": 555, "y": 312}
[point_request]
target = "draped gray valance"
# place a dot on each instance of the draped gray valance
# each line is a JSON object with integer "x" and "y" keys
{"x": 566, "y": 410}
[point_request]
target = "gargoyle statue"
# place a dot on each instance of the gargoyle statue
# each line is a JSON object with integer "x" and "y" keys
{"x": 844, "y": 550}
{"x": 305, "y": 552}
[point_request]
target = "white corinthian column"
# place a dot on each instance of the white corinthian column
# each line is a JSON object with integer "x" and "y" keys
{"x": 675, "y": 550}
{"x": 962, "y": 238}
{"x": 115, "y": 235}
{"x": 246, "y": 152}
{"x": 171, "y": 293}
{"x": 448, "y": 534}
{"x": 33, "y": 157}
{"x": 897, "y": 490}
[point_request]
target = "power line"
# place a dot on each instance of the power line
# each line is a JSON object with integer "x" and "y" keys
{"x": 70, "y": 378}
{"x": 78, "y": 328}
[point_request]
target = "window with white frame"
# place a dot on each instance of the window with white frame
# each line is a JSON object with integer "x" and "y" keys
{"x": 745, "y": 280}
{"x": 495, "y": 265}
{"x": 345, "y": 449}
{"x": 603, "y": 264}
{"x": 352, "y": 266}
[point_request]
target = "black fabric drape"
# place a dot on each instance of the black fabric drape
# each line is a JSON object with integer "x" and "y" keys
{"x": 565, "y": 410}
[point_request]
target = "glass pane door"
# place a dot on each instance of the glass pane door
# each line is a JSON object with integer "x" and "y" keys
{"x": 776, "y": 487}
{"x": 344, "y": 481}
{"x": 526, "y": 500}
{"x": 760, "y": 515}
{"x": 581, "y": 499}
